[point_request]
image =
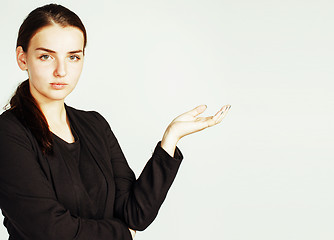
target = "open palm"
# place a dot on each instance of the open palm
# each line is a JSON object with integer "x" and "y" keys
{"x": 189, "y": 122}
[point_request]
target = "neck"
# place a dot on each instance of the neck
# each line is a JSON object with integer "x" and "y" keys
{"x": 54, "y": 112}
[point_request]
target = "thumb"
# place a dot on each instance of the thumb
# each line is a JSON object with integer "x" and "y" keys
{"x": 197, "y": 110}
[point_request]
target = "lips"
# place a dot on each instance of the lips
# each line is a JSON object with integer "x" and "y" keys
{"x": 58, "y": 85}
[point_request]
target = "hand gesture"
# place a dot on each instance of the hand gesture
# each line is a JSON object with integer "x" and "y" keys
{"x": 188, "y": 123}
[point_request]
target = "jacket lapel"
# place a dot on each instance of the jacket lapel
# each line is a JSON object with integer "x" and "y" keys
{"x": 95, "y": 145}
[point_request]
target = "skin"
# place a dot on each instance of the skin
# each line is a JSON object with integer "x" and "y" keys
{"x": 54, "y": 55}
{"x": 188, "y": 123}
{"x": 54, "y": 62}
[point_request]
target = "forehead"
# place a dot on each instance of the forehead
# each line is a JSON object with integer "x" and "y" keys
{"x": 58, "y": 39}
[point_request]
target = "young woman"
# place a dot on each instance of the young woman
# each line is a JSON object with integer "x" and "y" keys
{"x": 62, "y": 173}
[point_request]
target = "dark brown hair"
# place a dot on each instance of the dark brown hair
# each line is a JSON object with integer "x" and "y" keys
{"x": 23, "y": 104}
{"x": 46, "y": 16}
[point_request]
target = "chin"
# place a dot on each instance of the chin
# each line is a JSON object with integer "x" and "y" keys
{"x": 58, "y": 96}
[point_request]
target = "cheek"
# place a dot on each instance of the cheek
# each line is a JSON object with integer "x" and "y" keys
{"x": 39, "y": 71}
{"x": 77, "y": 69}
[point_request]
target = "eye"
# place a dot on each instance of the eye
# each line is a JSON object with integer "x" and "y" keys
{"x": 74, "y": 58}
{"x": 44, "y": 57}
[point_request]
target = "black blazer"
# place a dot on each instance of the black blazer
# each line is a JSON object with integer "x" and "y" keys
{"x": 38, "y": 197}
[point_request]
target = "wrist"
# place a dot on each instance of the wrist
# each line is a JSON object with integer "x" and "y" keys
{"x": 169, "y": 141}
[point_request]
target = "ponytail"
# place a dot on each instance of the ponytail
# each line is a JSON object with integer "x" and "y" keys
{"x": 22, "y": 104}
{"x": 25, "y": 108}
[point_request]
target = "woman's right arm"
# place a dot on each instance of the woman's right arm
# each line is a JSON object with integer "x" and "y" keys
{"x": 28, "y": 200}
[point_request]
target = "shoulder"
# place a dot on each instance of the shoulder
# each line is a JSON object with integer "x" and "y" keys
{"x": 88, "y": 120}
{"x": 9, "y": 123}
{"x": 93, "y": 127}
{"x": 12, "y": 131}
{"x": 82, "y": 115}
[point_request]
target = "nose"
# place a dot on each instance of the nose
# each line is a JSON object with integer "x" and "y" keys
{"x": 60, "y": 70}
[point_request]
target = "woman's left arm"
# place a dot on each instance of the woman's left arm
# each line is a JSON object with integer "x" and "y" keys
{"x": 137, "y": 202}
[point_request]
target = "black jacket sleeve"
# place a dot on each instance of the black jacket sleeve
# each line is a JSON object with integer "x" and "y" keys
{"x": 28, "y": 201}
{"x": 138, "y": 201}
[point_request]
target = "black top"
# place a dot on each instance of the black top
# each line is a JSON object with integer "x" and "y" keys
{"x": 84, "y": 190}
{"x": 89, "y": 182}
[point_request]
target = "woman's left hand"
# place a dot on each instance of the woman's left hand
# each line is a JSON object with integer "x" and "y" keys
{"x": 188, "y": 123}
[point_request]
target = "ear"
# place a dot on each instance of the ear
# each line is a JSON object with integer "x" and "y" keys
{"x": 21, "y": 58}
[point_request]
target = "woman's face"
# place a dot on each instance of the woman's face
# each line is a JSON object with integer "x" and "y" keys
{"x": 54, "y": 62}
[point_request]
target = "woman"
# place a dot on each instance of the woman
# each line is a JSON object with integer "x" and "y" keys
{"x": 62, "y": 172}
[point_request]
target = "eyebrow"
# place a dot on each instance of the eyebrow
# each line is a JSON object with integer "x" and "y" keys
{"x": 51, "y": 51}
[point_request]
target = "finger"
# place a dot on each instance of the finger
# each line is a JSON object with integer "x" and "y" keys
{"x": 223, "y": 114}
{"x": 203, "y": 119}
{"x": 207, "y": 121}
{"x": 197, "y": 110}
{"x": 213, "y": 120}
{"x": 221, "y": 111}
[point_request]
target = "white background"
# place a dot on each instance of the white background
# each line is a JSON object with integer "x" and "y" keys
{"x": 267, "y": 171}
